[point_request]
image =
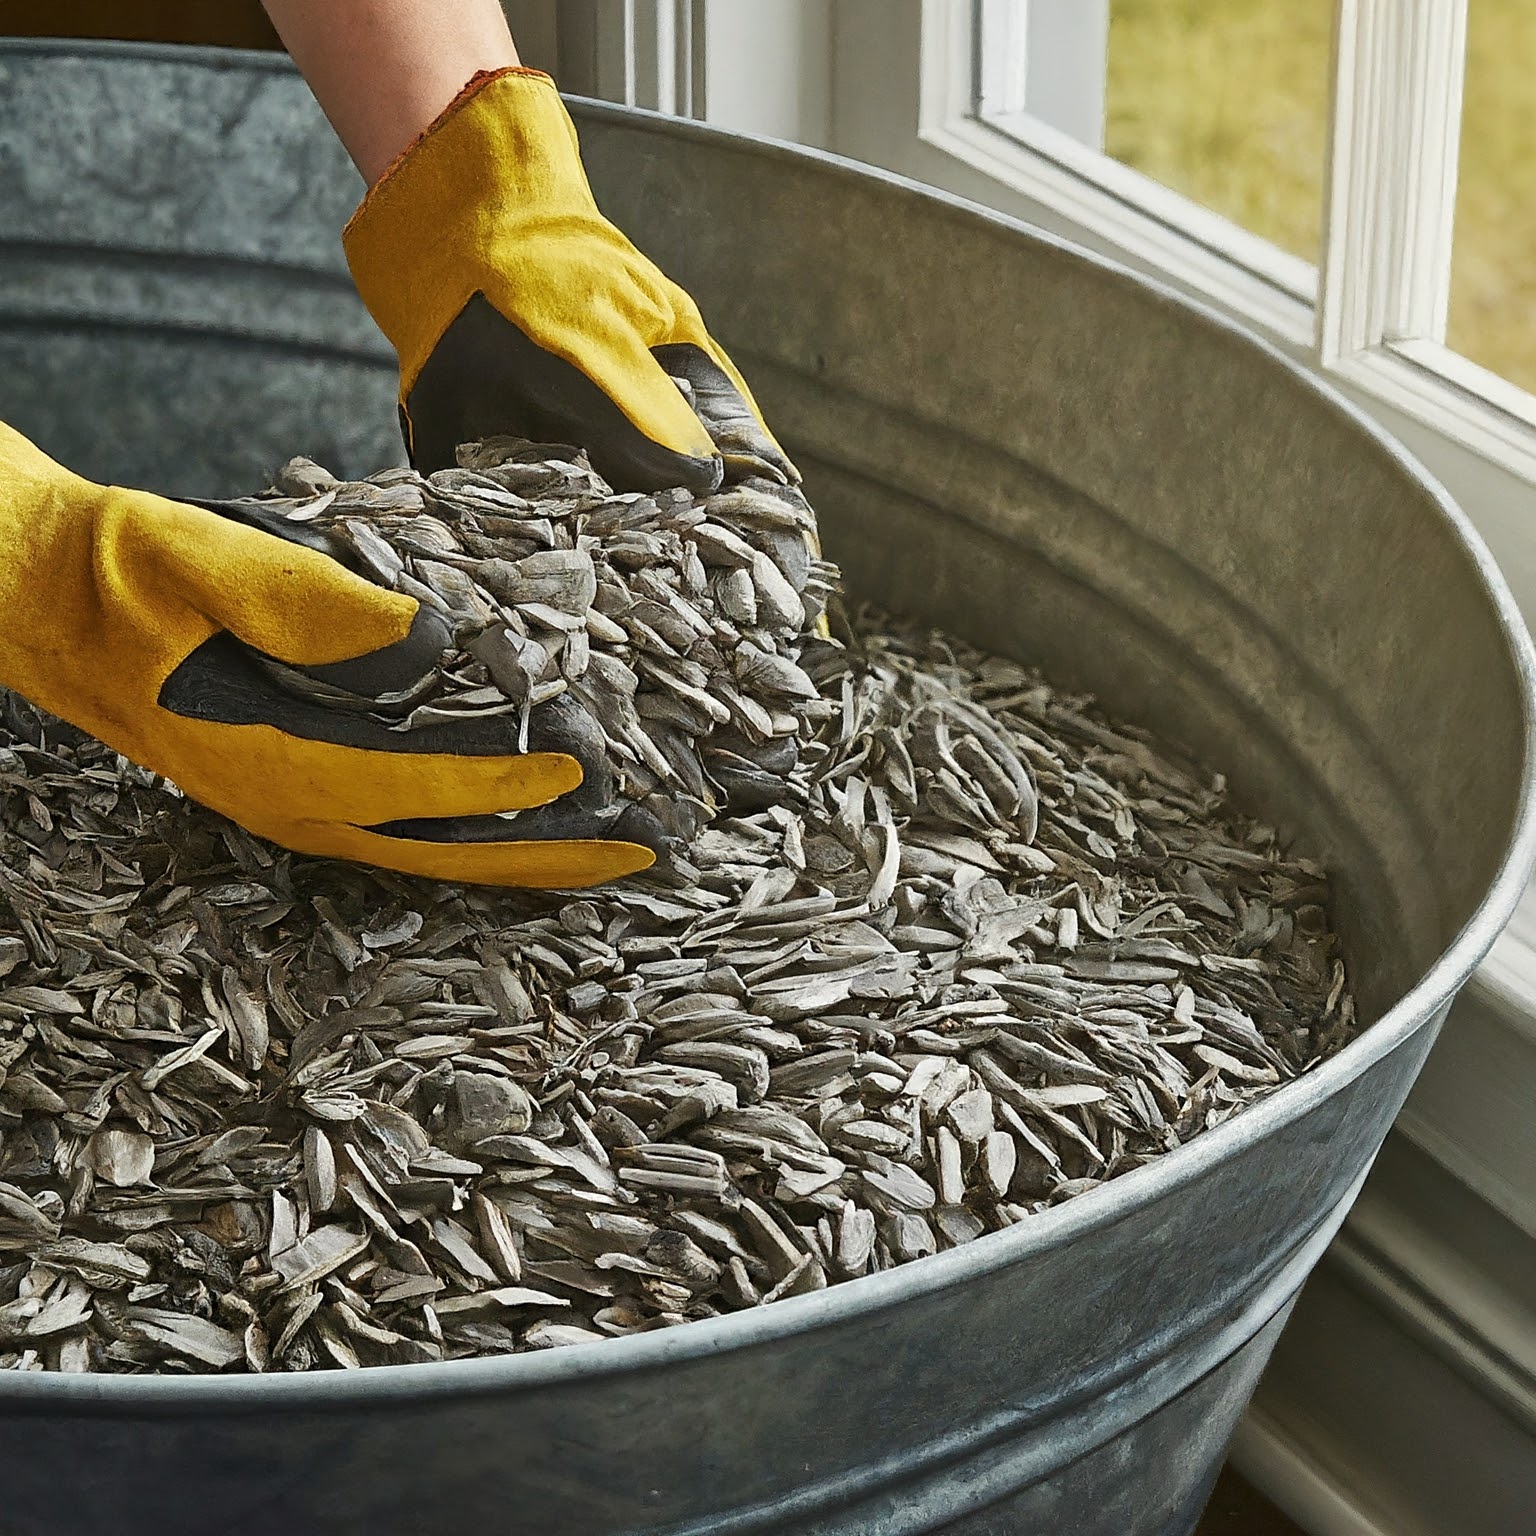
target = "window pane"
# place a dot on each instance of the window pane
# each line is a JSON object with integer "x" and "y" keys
{"x": 1226, "y": 101}
{"x": 1493, "y": 256}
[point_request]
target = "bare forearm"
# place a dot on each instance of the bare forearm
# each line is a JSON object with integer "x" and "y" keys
{"x": 384, "y": 69}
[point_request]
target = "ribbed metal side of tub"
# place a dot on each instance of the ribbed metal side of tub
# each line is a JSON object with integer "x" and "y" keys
{"x": 1051, "y": 457}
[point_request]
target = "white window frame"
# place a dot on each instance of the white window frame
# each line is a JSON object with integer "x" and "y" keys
{"x": 643, "y": 53}
{"x": 1044, "y": 63}
{"x": 1381, "y": 290}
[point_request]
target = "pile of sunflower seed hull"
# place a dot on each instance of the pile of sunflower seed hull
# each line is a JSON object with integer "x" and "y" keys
{"x": 673, "y": 621}
{"x": 259, "y": 1111}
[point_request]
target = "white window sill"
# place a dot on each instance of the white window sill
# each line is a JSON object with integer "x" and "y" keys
{"x": 1471, "y": 1107}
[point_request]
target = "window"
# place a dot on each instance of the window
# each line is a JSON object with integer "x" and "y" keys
{"x": 1226, "y": 103}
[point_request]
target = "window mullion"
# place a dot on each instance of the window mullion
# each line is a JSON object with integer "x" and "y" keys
{"x": 597, "y": 48}
{"x": 1395, "y": 140}
{"x": 652, "y": 80}
{"x": 660, "y": 43}
{"x": 1445, "y": 40}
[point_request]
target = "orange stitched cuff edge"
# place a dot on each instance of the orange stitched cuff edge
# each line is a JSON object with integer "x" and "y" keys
{"x": 471, "y": 88}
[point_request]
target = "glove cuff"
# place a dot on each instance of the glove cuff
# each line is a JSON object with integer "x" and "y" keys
{"x": 503, "y": 151}
{"x": 470, "y": 89}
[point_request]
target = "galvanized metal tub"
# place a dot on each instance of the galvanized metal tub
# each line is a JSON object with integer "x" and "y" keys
{"x": 1048, "y": 455}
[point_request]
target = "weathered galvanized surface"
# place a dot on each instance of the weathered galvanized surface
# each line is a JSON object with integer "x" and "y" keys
{"x": 178, "y": 250}
{"x": 1046, "y": 455}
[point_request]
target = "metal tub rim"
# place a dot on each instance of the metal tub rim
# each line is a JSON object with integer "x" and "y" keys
{"x": 406, "y": 1384}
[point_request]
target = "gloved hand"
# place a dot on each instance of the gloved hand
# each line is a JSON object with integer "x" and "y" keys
{"x": 516, "y": 307}
{"x": 134, "y": 618}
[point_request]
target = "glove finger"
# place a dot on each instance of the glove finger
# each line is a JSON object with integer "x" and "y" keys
{"x": 226, "y": 682}
{"x": 391, "y": 669}
{"x": 727, "y": 409}
{"x": 395, "y": 668}
{"x": 559, "y": 821}
{"x": 289, "y": 601}
{"x": 724, "y": 404}
{"x": 365, "y": 788}
{"x": 565, "y": 864}
{"x": 486, "y": 377}
{"x": 252, "y": 512}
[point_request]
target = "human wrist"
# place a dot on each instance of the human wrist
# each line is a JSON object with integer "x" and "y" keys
{"x": 384, "y": 70}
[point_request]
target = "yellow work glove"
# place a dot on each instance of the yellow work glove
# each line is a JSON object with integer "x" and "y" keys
{"x": 135, "y": 618}
{"x": 516, "y": 307}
